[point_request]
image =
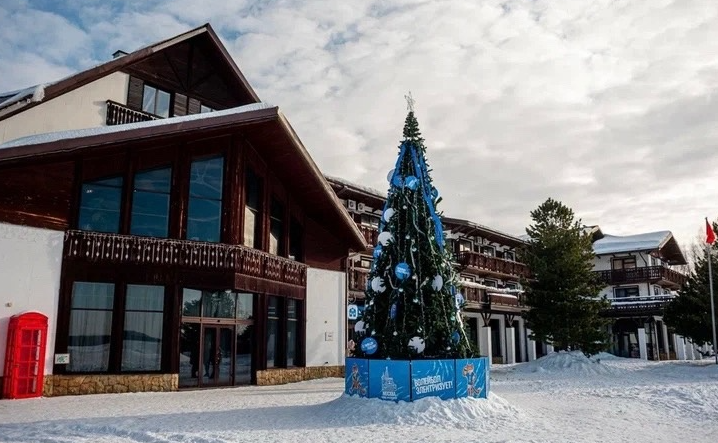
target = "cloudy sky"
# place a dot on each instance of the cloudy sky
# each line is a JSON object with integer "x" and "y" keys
{"x": 610, "y": 106}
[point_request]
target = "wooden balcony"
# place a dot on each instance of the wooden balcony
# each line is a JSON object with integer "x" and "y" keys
{"x": 119, "y": 114}
{"x": 127, "y": 249}
{"x": 493, "y": 265}
{"x": 370, "y": 235}
{"x": 638, "y": 306}
{"x": 358, "y": 278}
{"x": 487, "y": 299}
{"x": 651, "y": 274}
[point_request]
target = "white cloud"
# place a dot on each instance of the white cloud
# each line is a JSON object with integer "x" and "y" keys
{"x": 609, "y": 106}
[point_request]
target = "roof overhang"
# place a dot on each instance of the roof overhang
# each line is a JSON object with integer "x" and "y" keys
{"x": 169, "y": 56}
{"x": 266, "y": 129}
{"x": 469, "y": 228}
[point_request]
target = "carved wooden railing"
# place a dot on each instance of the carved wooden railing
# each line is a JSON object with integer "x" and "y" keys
{"x": 119, "y": 114}
{"x": 499, "y": 265}
{"x": 370, "y": 235}
{"x": 644, "y": 274}
{"x": 128, "y": 249}
{"x": 488, "y": 298}
{"x": 358, "y": 278}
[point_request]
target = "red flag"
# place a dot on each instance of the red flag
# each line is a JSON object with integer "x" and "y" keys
{"x": 710, "y": 235}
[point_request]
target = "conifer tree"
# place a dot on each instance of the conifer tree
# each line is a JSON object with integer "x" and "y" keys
{"x": 565, "y": 309}
{"x": 412, "y": 309}
{"x": 689, "y": 314}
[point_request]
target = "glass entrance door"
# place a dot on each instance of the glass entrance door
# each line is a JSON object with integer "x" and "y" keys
{"x": 217, "y": 355}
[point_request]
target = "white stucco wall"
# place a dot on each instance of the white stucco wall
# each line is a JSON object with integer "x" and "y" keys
{"x": 30, "y": 263}
{"x": 326, "y": 317}
{"x": 79, "y": 109}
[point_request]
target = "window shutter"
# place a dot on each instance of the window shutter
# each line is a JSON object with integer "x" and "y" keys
{"x": 180, "y": 107}
{"x": 194, "y": 106}
{"x": 135, "y": 92}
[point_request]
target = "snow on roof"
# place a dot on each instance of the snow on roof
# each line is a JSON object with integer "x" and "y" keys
{"x": 491, "y": 289}
{"x": 611, "y": 244}
{"x": 33, "y": 93}
{"x": 362, "y": 188}
{"x": 80, "y": 133}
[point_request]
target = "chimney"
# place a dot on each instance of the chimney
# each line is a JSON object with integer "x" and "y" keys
{"x": 119, "y": 53}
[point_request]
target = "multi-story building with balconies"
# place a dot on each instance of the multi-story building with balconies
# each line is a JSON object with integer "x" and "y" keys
{"x": 172, "y": 228}
{"x": 640, "y": 279}
{"x": 485, "y": 260}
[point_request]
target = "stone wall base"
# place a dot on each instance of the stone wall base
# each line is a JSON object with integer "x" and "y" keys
{"x": 57, "y": 385}
{"x": 281, "y": 376}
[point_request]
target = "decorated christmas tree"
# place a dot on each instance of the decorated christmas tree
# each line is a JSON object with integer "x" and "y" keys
{"x": 412, "y": 308}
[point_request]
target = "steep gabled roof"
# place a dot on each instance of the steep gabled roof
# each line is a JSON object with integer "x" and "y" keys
{"x": 262, "y": 125}
{"x": 661, "y": 242}
{"x": 15, "y": 102}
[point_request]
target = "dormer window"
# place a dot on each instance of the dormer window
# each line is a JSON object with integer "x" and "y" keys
{"x": 156, "y": 101}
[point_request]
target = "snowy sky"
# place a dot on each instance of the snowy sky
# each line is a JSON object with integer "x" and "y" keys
{"x": 606, "y": 105}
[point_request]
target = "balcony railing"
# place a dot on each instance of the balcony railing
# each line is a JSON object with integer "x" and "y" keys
{"x": 493, "y": 264}
{"x": 651, "y": 303}
{"x": 370, "y": 235}
{"x": 641, "y": 275}
{"x": 119, "y": 114}
{"x": 358, "y": 278}
{"x": 128, "y": 249}
{"x": 488, "y": 298}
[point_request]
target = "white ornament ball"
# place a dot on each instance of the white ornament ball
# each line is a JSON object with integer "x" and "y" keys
{"x": 438, "y": 282}
{"x": 360, "y": 327}
{"x": 377, "y": 284}
{"x": 417, "y": 343}
{"x": 385, "y": 238}
{"x": 390, "y": 175}
{"x": 388, "y": 214}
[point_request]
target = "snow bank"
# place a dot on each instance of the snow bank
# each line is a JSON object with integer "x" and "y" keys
{"x": 568, "y": 363}
{"x": 462, "y": 413}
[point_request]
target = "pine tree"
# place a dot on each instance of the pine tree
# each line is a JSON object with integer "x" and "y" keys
{"x": 565, "y": 309}
{"x": 412, "y": 308}
{"x": 689, "y": 314}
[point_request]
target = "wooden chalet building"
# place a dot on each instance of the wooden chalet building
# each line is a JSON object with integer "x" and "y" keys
{"x": 486, "y": 261}
{"x": 172, "y": 227}
{"x": 640, "y": 277}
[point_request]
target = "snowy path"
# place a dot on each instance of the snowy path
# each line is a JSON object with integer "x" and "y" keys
{"x": 562, "y": 398}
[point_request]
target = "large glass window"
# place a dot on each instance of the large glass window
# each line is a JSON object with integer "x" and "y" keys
{"x": 151, "y": 203}
{"x": 273, "y": 338}
{"x": 252, "y": 210}
{"x": 292, "y": 331}
{"x": 624, "y": 263}
{"x": 204, "y": 214}
{"x": 142, "y": 335}
{"x": 220, "y": 304}
{"x": 276, "y": 228}
{"x": 156, "y": 101}
{"x": 629, "y": 291}
{"x": 90, "y": 327}
{"x": 100, "y": 203}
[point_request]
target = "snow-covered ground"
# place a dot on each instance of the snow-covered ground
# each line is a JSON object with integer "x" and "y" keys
{"x": 559, "y": 398}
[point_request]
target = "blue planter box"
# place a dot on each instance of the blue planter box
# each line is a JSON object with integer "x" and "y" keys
{"x": 410, "y": 380}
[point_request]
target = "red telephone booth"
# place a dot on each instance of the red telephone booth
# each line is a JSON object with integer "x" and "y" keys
{"x": 25, "y": 356}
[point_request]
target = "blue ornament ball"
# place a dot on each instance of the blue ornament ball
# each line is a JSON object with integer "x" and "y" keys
{"x": 459, "y": 300}
{"x": 397, "y": 181}
{"x": 402, "y": 271}
{"x": 377, "y": 251}
{"x": 369, "y": 345}
{"x": 411, "y": 182}
{"x": 434, "y": 192}
{"x": 455, "y": 337}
